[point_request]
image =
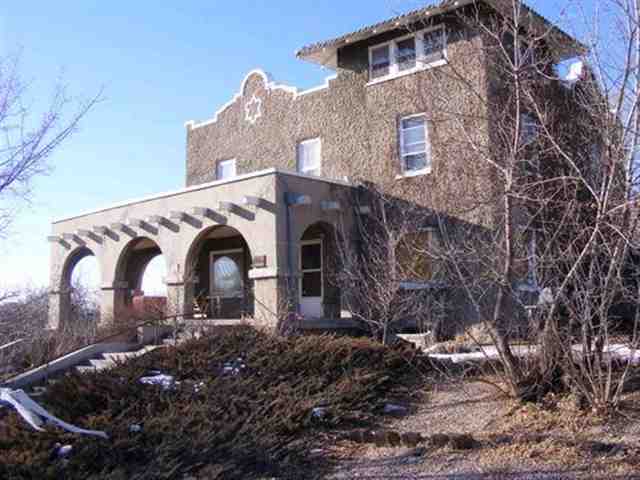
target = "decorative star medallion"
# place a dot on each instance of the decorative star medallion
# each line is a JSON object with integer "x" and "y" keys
{"x": 253, "y": 110}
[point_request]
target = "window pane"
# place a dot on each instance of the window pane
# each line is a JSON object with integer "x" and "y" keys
{"x": 413, "y": 122}
{"x": 312, "y": 284}
{"x": 415, "y": 162}
{"x": 309, "y": 157}
{"x": 433, "y": 42}
{"x": 413, "y": 135}
{"x": 406, "y": 54}
{"x": 311, "y": 256}
{"x": 414, "y": 148}
{"x": 227, "y": 280}
{"x": 226, "y": 169}
{"x": 380, "y": 61}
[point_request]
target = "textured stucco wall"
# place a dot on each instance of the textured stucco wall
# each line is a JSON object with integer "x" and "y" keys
{"x": 358, "y": 125}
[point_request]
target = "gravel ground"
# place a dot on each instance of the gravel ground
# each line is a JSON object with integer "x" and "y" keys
{"x": 476, "y": 408}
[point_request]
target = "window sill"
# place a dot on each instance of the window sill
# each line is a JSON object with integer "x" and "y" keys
{"x": 417, "y": 173}
{"x": 437, "y": 63}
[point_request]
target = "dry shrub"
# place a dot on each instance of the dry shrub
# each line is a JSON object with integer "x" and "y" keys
{"x": 249, "y": 425}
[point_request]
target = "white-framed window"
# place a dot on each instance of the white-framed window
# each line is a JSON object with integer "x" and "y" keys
{"x": 226, "y": 169}
{"x": 415, "y": 151}
{"x": 309, "y": 155}
{"x": 410, "y": 53}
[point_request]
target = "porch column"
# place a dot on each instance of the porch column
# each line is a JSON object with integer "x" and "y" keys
{"x": 112, "y": 300}
{"x": 274, "y": 300}
{"x": 175, "y": 299}
{"x": 56, "y": 305}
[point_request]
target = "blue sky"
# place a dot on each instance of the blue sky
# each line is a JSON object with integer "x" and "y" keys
{"x": 160, "y": 64}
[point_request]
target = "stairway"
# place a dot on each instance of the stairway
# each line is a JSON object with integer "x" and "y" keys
{"x": 109, "y": 360}
{"x": 103, "y": 356}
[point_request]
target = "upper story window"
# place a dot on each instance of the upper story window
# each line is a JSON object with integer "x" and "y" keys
{"x": 415, "y": 153}
{"x": 380, "y": 62}
{"x": 310, "y": 157}
{"x": 408, "y": 54}
{"x": 226, "y": 169}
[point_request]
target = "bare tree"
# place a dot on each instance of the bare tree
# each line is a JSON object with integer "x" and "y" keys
{"x": 555, "y": 182}
{"x": 383, "y": 273}
{"x": 562, "y": 153}
{"x": 23, "y": 322}
{"x": 26, "y": 144}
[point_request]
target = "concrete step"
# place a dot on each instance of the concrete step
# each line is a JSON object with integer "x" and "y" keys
{"x": 101, "y": 364}
{"x": 112, "y": 359}
{"x": 120, "y": 357}
{"x": 85, "y": 369}
{"x": 59, "y": 366}
{"x": 420, "y": 340}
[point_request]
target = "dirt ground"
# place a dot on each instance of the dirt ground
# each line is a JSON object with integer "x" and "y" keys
{"x": 511, "y": 441}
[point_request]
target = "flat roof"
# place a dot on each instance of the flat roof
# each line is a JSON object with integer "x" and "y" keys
{"x": 203, "y": 186}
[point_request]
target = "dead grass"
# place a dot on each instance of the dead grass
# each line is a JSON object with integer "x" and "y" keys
{"x": 514, "y": 439}
{"x": 251, "y": 425}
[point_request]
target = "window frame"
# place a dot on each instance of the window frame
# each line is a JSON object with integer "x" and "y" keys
{"x": 304, "y": 243}
{"x": 226, "y": 160}
{"x": 390, "y": 53}
{"x": 427, "y": 148}
{"x": 318, "y": 168}
{"x": 420, "y": 63}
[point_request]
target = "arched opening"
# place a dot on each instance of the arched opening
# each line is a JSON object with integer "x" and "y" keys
{"x": 154, "y": 276}
{"x": 80, "y": 290}
{"x": 319, "y": 295}
{"x": 140, "y": 275}
{"x": 217, "y": 283}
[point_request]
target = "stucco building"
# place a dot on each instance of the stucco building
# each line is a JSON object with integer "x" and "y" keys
{"x": 273, "y": 172}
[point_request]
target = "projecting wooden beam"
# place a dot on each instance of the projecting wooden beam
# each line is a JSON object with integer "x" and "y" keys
{"x": 118, "y": 226}
{"x": 201, "y": 211}
{"x": 100, "y": 230}
{"x": 158, "y": 219}
{"x": 177, "y": 215}
{"x": 226, "y": 206}
{"x": 136, "y": 222}
{"x": 253, "y": 201}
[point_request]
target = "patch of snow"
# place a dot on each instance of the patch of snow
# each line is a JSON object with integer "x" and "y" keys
{"x": 167, "y": 382}
{"x": 233, "y": 367}
{"x": 319, "y": 413}
{"x": 391, "y": 408}
{"x": 62, "y": 451}
{"x": 420, "y": 285}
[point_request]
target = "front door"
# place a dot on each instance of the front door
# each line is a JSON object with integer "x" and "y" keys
{"x": 311, "y": 280}
{"x": 227, "y": 292}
